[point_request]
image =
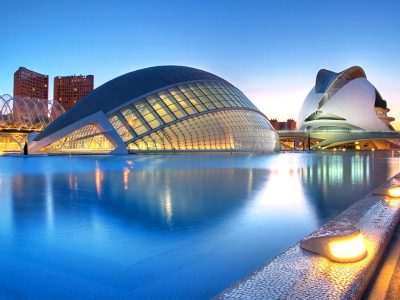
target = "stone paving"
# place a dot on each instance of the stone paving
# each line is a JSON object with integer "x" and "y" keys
{"x": 386, "y": 284}
{"x": 300, "y": 274}
{"x": 394, "y": 285}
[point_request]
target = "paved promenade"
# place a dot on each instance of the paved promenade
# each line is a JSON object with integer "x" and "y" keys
{"x": 386, "y": 284}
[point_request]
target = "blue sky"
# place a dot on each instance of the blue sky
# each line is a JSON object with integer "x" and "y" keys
{"x": 271, "y": 50}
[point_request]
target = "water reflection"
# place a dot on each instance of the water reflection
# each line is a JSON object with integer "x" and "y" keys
{"x": 334, "y": 181}
{"x": 178, "y": 197}
{"x": 168, "y": 196}
{"x": 186, "y": 194}
{"x": 191, "y": 218}
{"x": 49, "y": 202}
{"x": 99, "y": 179}
{"x": 126, "y": 178}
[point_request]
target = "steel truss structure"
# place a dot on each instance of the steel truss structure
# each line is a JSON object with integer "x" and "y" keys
{"x": 28, "y": 114}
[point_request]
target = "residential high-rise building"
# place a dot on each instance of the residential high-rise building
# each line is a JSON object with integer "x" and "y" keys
{"x": 68, "y": 90}
{"x": 30, "y": 84}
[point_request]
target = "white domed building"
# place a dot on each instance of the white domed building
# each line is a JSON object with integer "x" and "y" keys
{"x": 344, "y": 110}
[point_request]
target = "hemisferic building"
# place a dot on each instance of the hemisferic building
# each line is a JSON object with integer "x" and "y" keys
{"x": 160, "y": 109}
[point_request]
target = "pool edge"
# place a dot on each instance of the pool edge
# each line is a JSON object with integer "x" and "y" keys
{"x": 298, "y": 273}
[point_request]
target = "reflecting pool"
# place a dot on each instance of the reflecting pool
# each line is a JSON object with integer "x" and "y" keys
{"x": 165, "y": 227}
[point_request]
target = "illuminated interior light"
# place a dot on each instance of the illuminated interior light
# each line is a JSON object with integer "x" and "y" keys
{"x": 348, "y": 249}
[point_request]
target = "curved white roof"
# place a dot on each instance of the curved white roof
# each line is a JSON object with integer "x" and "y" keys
{"x": 345, "y": 97}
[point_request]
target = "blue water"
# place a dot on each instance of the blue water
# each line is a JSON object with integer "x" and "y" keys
{"x": 165, "y": 227}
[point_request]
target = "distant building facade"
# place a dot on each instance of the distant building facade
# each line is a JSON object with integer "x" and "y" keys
{"x": 289, "y": 124}
{"x": 30, "y": 84}
{"x": 68, "y": 90}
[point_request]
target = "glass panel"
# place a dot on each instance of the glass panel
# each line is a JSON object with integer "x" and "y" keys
{"x": 149, "y": 117}
{"x": 168, "y": 100}
{"x": 132, "y": 118}
{"x": 87, "y": 139}
{"x": 176, "y": 109}
{"x": 231, "y": 130}
{"x": 155, "y": 102}
{"x": 140, "y": 130}
{"x": 133, "y": 146}
{"x": 141, "y": 145}
{"x": 168, "y": 118}
{"x": 189, "y": 95}
{"x": 148, "y": 114}
{"x": 200, "y": 107}
{"x": 173, "y": 107}
{"x": 174, "y": 91}
{"x": 198, "y": 93}
{"x": 184, "y": 88}
{"x": 190, "y": 110}
{"x": 181, "y": 99}
{"x": 180, "y": 114}
{"x": 215, "y": 101}
{"x": 162, "y": 111}
{"x": 207, "y": 103}
{"x": 184, "y": 103}
{"x": 149, "y": 143}
{"x": 155, "y": 123}
{"x": 120, "y": 128}
{"x": 145, "y": 110}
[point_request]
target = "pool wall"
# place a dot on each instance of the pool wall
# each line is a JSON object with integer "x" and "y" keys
{"x": 300, "y": 274}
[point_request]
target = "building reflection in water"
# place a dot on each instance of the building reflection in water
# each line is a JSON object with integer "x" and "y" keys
{"x": 183, "y": 195}
{"x": 49, "y": 202}
{"x": 167, "y": 205}
{"x": 336, "y": 180}
{"x": 283, "y": 192}
{"x": 179, "y": 197}
{"x": 113, "y": 219}
{"x": 6, "y": 205}
{"x": 32, "y": 206}
{"x": 125, "y": 177}
{"x": 99, "y": 178}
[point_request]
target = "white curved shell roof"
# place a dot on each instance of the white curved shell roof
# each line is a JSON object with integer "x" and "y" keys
{"x": 347, "y": 95}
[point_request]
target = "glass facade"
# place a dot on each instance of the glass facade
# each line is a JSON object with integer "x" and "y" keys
{"x": 86, "y": 138}
{"x": 176, "y": 103}
{"x": 228, "y": 130}
{"x": 198, "y": 116}
{"x": 195, "y": 116}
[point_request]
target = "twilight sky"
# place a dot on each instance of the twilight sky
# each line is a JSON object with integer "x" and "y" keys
{"x": 271, "y": 50}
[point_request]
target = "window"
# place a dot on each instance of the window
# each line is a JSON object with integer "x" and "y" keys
{"x": 220, "y": 130}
